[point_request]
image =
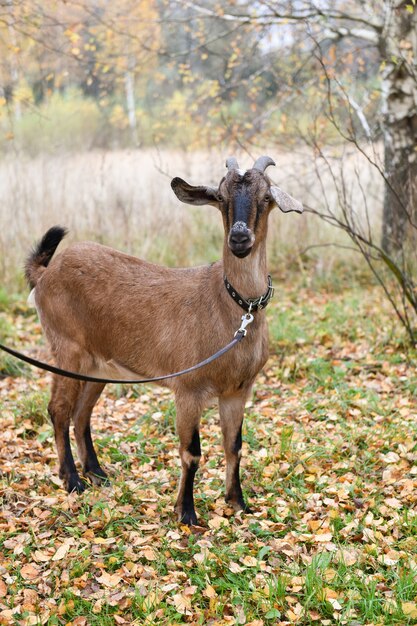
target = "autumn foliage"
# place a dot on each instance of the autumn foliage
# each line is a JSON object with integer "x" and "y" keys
{"x": 330, "y": 470}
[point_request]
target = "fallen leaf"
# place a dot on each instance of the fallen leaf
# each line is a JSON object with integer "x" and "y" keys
{"x": 394, "y": 503}
{"x": 390, "y": 457}
{"x": 348, "y": 557}
{"x": 182, "y": 603}
{"x": 3, "y": 589}
{"x": 335, "y": 604}
{"x": 61, "y": 552}
{"x": 209, "y": 592}
{"x": 324, "y": 537}
{"x": 409, "y": 609}
{"x": 390, "y": 558}
{"x": 217, "y": 522}
{"x": 235, "y": 567}
{"x": 149, "y": 554}
{"x": 109, "y": 580}
{"x": 29, "y": 572}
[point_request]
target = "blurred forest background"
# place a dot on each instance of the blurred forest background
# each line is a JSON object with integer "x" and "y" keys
{"x": 102, "y": 102}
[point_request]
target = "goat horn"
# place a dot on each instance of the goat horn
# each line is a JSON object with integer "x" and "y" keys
{"x": 231, "y": 163}
{"x": 262, "y": 163}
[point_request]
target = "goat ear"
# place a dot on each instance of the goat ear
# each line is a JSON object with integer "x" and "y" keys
{"x": 284, "y": 201}
{"x": 193, "y": 195}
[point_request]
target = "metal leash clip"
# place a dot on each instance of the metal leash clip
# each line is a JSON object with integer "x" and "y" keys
{"x": 246, "y": 320}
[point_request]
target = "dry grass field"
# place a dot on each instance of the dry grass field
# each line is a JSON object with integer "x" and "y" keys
{"x": 124, "y": 199}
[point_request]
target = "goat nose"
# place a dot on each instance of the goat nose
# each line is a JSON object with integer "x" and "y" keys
{"x": 239, "y": 236}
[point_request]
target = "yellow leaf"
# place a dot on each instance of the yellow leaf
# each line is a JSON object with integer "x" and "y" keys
{"x": 105, "y": 540}
{"x": 329, "y": 575}
{"x": 98, "y": 605}
{"x": 315, "y": 524}
{"x": 293, "y": 617}
{"x": 328, "y": 594}
{"x": 209, "y": 592}
{"x": 149, "y": 554}
{"x": 409, "y": 609}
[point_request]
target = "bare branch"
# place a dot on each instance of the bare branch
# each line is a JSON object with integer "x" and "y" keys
{"x": 358, "y": 33}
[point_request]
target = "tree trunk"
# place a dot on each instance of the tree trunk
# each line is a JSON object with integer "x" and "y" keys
{"x": 130, "y": 100}
{"x": 399, "y": 93}
{"x": 14, "y": 64}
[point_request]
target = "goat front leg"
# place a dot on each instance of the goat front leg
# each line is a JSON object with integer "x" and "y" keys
{"x": 188, "y": 422}
{"x": 231, "y": 410}
{"x": 87, "y": 399}
{"x": 61, "y": 406}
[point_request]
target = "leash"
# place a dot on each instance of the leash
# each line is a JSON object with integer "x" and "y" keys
{"x": 239, "y": 335}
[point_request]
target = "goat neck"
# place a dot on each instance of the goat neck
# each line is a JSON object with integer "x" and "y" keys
{"x": 249, "y": 275}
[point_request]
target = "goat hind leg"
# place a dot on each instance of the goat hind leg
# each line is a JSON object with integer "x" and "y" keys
{"x": 61, "y": 406}
{"x": 86, "y": 401}
{"x": 188, "y": 421}
{"x": 231, "y": 410}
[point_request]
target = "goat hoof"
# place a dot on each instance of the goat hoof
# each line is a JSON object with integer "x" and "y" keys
{"x": 97, "y": 477}
{"x": 74, "y": 484}
{"x": 188, "y": 517}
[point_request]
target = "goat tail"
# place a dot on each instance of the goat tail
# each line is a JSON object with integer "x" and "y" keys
{"x": 42, "y": 253}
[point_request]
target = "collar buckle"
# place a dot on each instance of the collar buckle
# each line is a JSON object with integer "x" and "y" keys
{"x": 251, "y": 304}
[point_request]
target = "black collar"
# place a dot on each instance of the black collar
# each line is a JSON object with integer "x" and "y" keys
{"x": 251, "y": 304}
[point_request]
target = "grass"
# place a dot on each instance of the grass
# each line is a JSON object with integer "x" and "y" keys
{"x": 329, "y": 467}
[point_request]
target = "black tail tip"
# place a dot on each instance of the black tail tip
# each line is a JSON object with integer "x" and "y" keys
{"x": 43, "y": 252}
{"x": 51, "y": 239}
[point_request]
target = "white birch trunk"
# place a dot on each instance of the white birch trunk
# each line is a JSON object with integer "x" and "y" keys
{"x": 131, "y": 101}
{"x": 399, "y": 94}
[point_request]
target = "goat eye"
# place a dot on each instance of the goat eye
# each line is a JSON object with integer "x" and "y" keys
{"x": 267, "y": 197}
{"x": 220, "y": 197}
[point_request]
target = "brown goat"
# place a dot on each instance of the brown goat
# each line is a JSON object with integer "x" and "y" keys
{"x": 108, "y": 314}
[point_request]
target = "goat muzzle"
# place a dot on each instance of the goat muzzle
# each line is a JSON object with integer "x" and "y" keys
{"x": 241, "y": 240}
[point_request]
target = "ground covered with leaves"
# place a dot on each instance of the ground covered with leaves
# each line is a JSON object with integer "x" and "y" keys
{"x": 329, "y": 468}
